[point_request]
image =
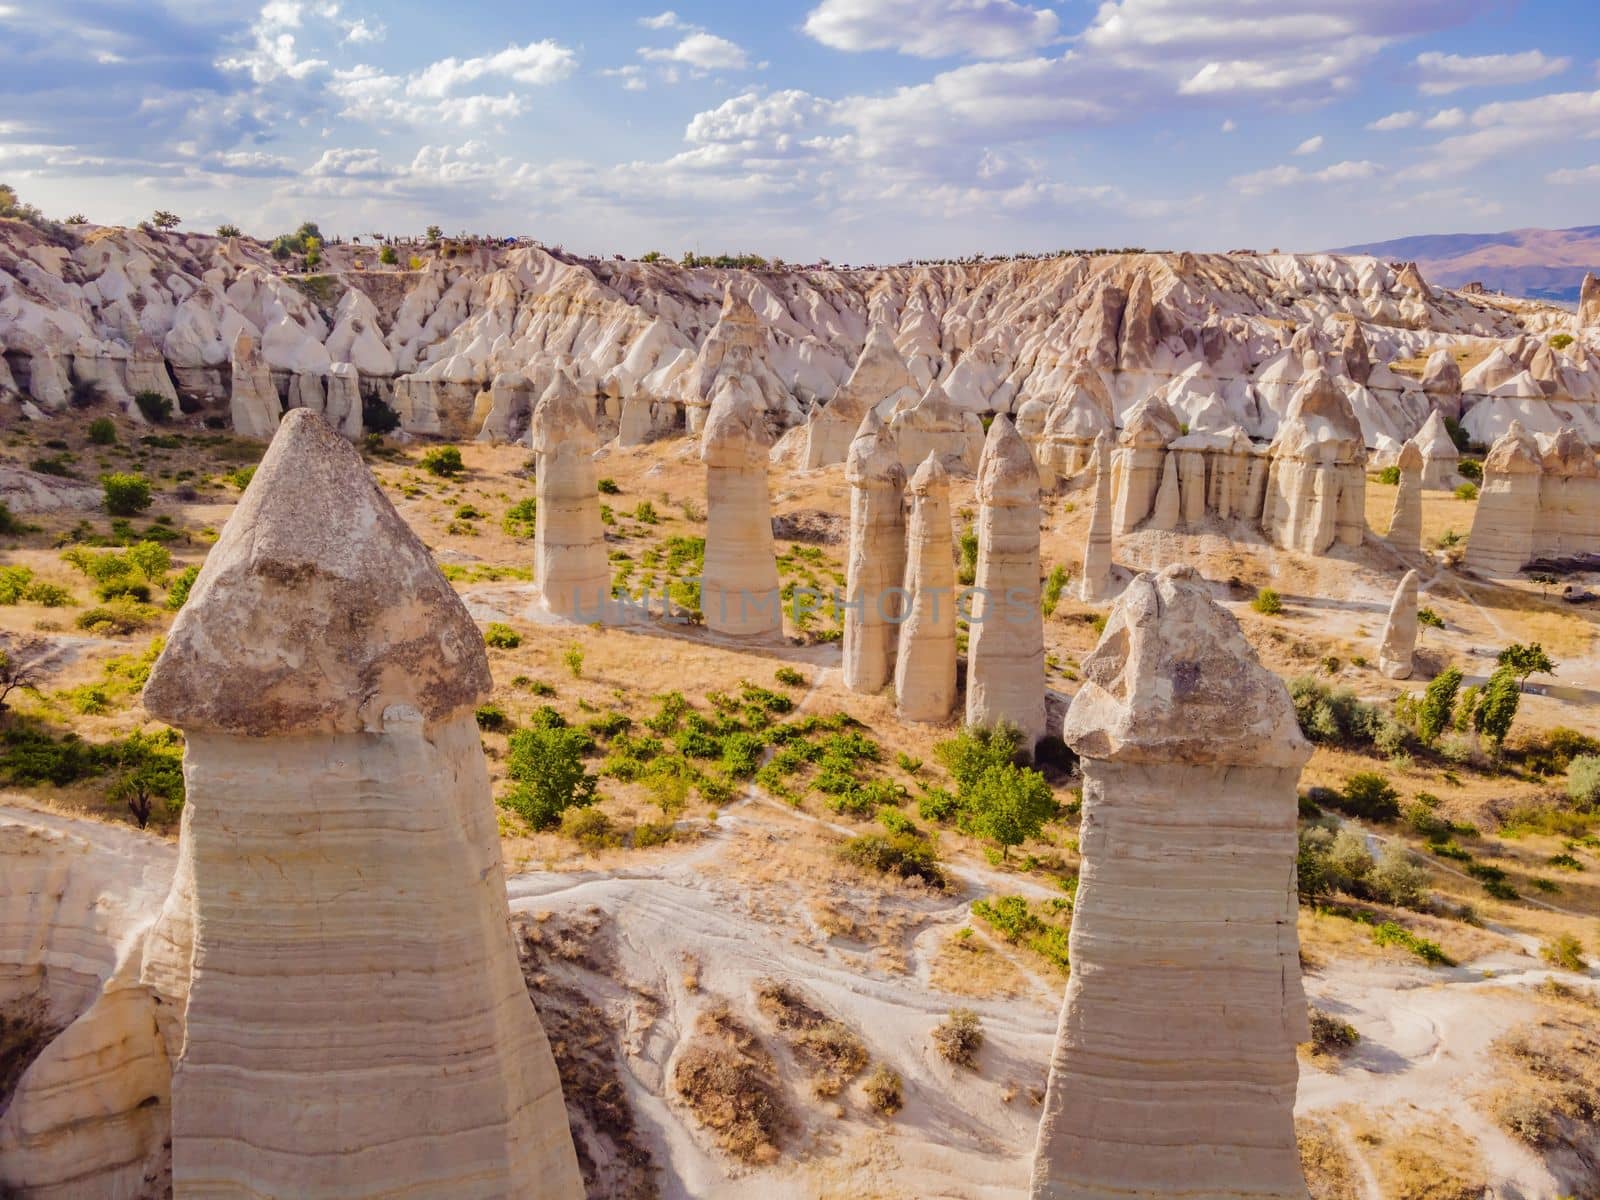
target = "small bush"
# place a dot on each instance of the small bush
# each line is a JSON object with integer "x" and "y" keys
{"x": 119, "y": 618}
{"x": 789, "y": 677}
{"x": 885, "y": 1090}
{"x": 1564, "y": 951}
{"x": 1369, "y": 795}
{"x": 491, "y": 718}
{"x": 1329, "y": 1035}
{"x": 1391, "y": 934}
{"x": 1267, "y": 602}
{"x": 501, "y": 636}
{"x": 444, "y": 461}
{"x": 47, "y": 595}
{"x": 573, "y": 657}
{"x": 103, "y": 431}
{"x": 155, "y": 407}
{"x": 125, "y": 495}
{"x": 1389, "y": 476}
{"x": 1467, "y": 491}
{"x": 908, "y": 855}
{"x": 178, "y": 591}
{"x": 1583, "y": 780}
{"x": 1470, "y": 468}
{"x": 590, "y": 828}
{"x": 608, "y": 487}
{"x": 959, "y": 1037}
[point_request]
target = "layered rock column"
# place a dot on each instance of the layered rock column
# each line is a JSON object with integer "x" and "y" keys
{"x": 1506, "y": 522}
{"x": 925, "y": 662}
{"x": 1150, "y": 425}
{"x": 1399, "y": 643}
{"x": 1405, "y": 525}
{"x": 739, "y": 585}
{"x": 876, "y": 562}
{"x": 1095, "y": 580}
{"x": 1316, "y": 489}
{"x": 1173, "y": 1073}
{"x": 569, "y": 543}
{"x": 253, "y": 404}
{"x": 1005, "y": 642}
{"x": 879, "y": 380}
{"x": 356, "y": 1023}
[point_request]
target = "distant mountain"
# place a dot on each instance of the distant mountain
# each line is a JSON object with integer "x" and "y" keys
{"x": 1547, "y": 264}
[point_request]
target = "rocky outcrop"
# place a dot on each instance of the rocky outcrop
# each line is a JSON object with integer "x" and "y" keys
{"x": 1569, "y": 498}
{"x": 925, "y": 661}
{"x": 1441, "y": 381}
{"x": 253, "y": 402}
{"x": 1440, "y": 458}
{"x": 933, "y": 425}
{"x": 342, "y": 406}
{"x": 1149, "y": 427}
{"x": 879, "y": 382}
{"x": 1399, "y": 642}
{"x": 875, "y": 565}
{"x": 739, "y": 584}
{"x": 1505, "y": 524}
{"x": 1174, "y": 1072}
{"x": 509, "y": 414}
{"x": 569, "y": 543}
{"x": 1316, "y": 488}
{"x": 1589, "y": 302}
{"x": 1094, "y": 583}
{"x": 1005, "y": 646}
{"x": 737, "y": 345}
{"x": 1405, "y": 523}
{"x": 340, "y": 841}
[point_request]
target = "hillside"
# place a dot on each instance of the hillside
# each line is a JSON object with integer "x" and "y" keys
{"x": 1548, "y": 264}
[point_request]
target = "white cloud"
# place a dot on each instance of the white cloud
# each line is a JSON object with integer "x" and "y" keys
{"x": 1442, "y": 74}
{"x": 538, "y": 64}
{"x": 1574, "y": 175}
{"x": 1395, "y": 120}
{"x": 1310, "y": 146}
{"x": 666, "y": 20}
{"x": 702, "y": 51}
{"x": 358, "y": 31}
{"x": 1230, "y": 125}
{"x": 933, "y": 28}
{"x": 355, "y": 163}
{"x": 1287, "y": 176}
{"x": 632, "y": 76}
{"x": 1512, "y": 127}
{"x": 1446, "y": 118}
{"x": 272, "y": 54}
{"x": 753, "y": 116}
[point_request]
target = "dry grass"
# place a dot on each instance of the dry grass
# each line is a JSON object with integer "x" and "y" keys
{"x": 1547, "y": 1093}
{"x": 968, "y": 963}
{"x": 1425, "y": 1160}
{"x": 829, "y": 1049}
{"x": 959, "y": 1037}
{"x": 885, "y": 1090}
{"x": 1330, "y": 1175}
{"x": 731, "y": 1086}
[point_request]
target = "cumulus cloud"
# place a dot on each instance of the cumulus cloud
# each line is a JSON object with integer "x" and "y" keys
{"x": 702, "y": 51}
{"x": 1394, "y": 121}
{"x": 1446, "y": 118}
{"x": 632, "y": 76}
{"x": 1508, "y": 128}
{"x": 537, "y": 63}
{"x": 1310, "y": 146}
{"x": 666, "y": 20}
{"x": 1566, "y": 175}
{"x": 933, "y": 28}
{"x": 1288, "y": 176}
{"x": 1442, "y": 74}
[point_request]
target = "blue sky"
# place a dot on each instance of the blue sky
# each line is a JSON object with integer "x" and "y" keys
{"x": 862, "y": 130}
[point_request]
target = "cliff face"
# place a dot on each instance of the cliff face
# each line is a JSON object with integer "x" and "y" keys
{"x": 125, "y": 310}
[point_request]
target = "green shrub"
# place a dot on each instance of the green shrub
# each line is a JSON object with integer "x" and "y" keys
{"x": 521, "y": 518}
{"x": 126, "y": 495}
{"x": 47, "y": 595}
{"x": 241, "y": 477}
{"x": 1564, "y": 862}
{"x": 103, "y": 431}
{"x": 883, "y": 1087}
{"x": 590, "y": 828}
{"x": 155, "y": 407}
{"x": 1391, "y": 934}
{"x": 1020, "y": 923}
{"x": 501, "y": 636}
{"x": 1329, "y": 1035}
{"x": 133, "y": 589}
{"x": 646, "y": 513}
{"x": 491, "y": 718}
{"x": 967, "y": 569}
{"x": 1470, "y": 468}
{"x": 1389, "y": 476}
{"x": 10, "y": 526}
{"x": 178, "y": 591}
{"x": 150, "y": 559}
{"x": 1561, "y": 341}
{"x": 959, "y": 1037}
{"x": 548, "y": 776}
{"x": 1395, "y": 879}
{"x": 1267, "y": 602}
{"x": 388, "y": 257}
{"x": 573, "y": 657}
{"x": 908, "y": 855}
{"x": 1051, "y": 596}
{"x": 789, "y": 677}
{"x": 444, "y": 461}
{"x": 1467, "y": 491}
{"x": 118, "y": 618}
{"x": 1583, "y": 780}
{"x": 608, "y": 487}
{"x": 14, "y": 583}
{"x": 1370, "y": 796}
{"x": 1564, "y": 951}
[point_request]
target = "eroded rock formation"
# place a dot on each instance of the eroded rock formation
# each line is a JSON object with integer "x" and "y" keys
{"x": 1440, "y": 457}
{"x": 933, "y": 425}
{"x": 569, "y": 545}
{"x": 1405, "y": 523}
{"x": 1399, "y": 644}
{"x": 875, "y": 565}
{"x": 925, "y": 662}
{"x": 739, "y": 586}
{"x": 1537, "y": 501}
{"x": 253, "y": 400}
{"x": 879, "y": 382}
{"x": 1316, "y": 489}
{"x": 1005, "y": 646}
{"x": 1095, "y": 581}
{"x": 1174, "y": 1069}
{"x": 339, "y": 840}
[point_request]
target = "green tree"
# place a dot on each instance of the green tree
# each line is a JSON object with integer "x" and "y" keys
{"x": 1498, "y": 707}
{"x": 125, "y": 495}
{"x": 433, "y": 233}
{"x": 162, "y": 219}
{"x": 313, "y": 253}
{"x": 1525, "y": 660}
{"x": 1007, "y": 805}
{"x": 150, "y": 769}
{"x": 547, "y": 770}
{"x": 1438, "y": 706}
{"x": 443, "y": 460}
{"x": 226, "y": 230}
{"x": 388, "y": 257}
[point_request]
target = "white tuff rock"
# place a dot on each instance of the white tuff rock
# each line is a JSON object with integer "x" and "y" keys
{"x": 925, "y": 663}
{"x": 876, "y": 560}
{"x": 569, "y": 545}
